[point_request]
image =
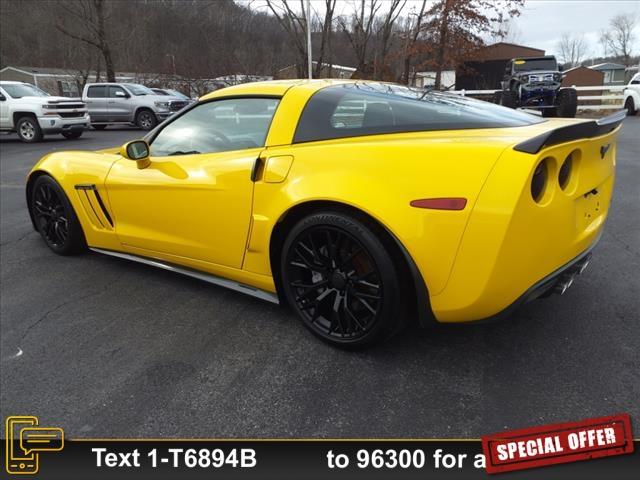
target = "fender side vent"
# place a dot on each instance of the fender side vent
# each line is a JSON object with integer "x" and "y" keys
{"x": 94, "y": 206}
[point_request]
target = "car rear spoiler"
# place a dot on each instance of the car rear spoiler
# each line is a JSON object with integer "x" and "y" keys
{"x": 591, "y": 129}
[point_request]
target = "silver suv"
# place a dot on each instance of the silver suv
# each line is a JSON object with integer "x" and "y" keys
{"x": 128, "y": 103}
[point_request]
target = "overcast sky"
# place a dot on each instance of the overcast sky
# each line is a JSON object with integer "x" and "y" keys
{"x": 542, "y": 22}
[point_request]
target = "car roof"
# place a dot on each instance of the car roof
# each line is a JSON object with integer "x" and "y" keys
{"x": 12, "y": 82}
{"x": 272, "y": 87}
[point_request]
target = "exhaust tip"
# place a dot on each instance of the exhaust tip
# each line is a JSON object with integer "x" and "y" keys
{"x": 563, "y": 285}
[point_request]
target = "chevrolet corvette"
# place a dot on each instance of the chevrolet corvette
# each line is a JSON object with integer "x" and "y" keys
{"x": 359, "y": 204}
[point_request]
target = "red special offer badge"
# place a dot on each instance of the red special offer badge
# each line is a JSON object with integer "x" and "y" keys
{"x": 559, "y": 443}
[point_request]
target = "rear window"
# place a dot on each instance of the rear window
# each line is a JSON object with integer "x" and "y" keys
{"x": 523, "y": 65}
{"x": 97, "y": 92}
{"x": 357, "y": 109}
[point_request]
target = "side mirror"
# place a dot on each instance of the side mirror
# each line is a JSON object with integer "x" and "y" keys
{"x": 2, "y": 98}
{"x": 560, "y": 68}
{"x": 137, "y": 150}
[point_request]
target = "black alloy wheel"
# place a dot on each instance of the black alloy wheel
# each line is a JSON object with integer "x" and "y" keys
{"x": 340, "y": 278}
{"x": 54, "y": 217}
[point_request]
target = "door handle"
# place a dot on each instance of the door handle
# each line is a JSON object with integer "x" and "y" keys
{"x": 111, "y": 101}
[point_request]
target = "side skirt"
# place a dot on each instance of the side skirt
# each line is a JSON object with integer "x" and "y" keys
{"x": 207, "y": 277}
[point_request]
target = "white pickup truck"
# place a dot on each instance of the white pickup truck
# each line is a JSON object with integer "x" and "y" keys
{"x": 632, "y": 95}
{"x": 32, "y": 113}
{"x": 128, "y": 103}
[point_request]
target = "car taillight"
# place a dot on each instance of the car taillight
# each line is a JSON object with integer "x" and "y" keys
{"x": 539, "y": 180}
{"x": 564, "y": 175}
{"x": 453, "y": 203}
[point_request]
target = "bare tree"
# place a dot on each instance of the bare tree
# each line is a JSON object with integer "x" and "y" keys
{"x": 326, "y": 29}
{"x": 384, "y": 34}
{"x": 411, "y": 34}
{"x": 90, "y": 19}
{"x": 572, "y": 49}
{"x": 295, "y": 24}
{"x": 620, "y": 37}
{"x": 358, "y": 27}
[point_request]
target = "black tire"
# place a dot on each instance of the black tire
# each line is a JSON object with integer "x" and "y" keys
{"x": 630, "y": 106}
{"x": 146, "y": 119}
{"x": 549, "y": 112}
{"x": 72, "y": 135}
{"x": 356, "y": 299}
{"x": 567, "y": 103}
{"x": 28, "y": 129}
{"x": 509, "y": 99}
{"x": 55, "y": 219}
{"x": 98, "y": 126}
{"x": 497, "y": 97}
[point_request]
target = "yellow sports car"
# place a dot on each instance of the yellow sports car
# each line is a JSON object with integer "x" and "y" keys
{"x": 359, "y": 204}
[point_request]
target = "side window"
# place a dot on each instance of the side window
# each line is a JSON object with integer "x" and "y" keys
{"x": 116, "y": 92}
{"x": 217, "y": 126}
{"x": 357, "y": 109}
{"x": 99, "y": 91}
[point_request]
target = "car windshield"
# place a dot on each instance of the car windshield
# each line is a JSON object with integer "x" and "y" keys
{"x": 159, "y": 91}
{"x": 137, "y": 89}
{"x": 178, "y": 94}
{"x": 522, "y": 64}
{"x": 369, "y": 108}
{"x": 19, "y": 90}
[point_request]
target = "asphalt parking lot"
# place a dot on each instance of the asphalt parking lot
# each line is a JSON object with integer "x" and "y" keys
{"x": 107, "y": 348}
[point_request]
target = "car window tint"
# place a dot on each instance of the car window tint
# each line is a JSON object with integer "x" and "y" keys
{"x": 97, "y": 92}
{"x": 113, "y": 90}
{"x": 218, "y": 126}
{"x": 373, "y": 108}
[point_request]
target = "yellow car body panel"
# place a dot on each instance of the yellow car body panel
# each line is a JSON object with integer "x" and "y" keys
{"x": 205, "y": 212}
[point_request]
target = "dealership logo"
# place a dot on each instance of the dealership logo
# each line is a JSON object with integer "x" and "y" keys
{"x": 25, "y": 440}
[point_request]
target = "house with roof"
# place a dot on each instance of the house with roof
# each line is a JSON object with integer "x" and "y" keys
{"x": 614, "y": 73}
{"x": 486, "y": 68}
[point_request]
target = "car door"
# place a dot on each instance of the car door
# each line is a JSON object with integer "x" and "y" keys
{"x": 118, "y": 104}
{"x": 4, "y": 109}
{"x": 194, "y": 199}
{"x": 97, "y": 96}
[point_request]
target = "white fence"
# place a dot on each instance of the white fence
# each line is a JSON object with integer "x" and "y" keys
{"x": 611, "y": 96}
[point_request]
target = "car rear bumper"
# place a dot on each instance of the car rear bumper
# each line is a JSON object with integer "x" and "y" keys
{"x": 515, "y": 249}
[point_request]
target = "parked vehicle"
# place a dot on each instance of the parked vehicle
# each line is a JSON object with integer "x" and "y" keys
{"x": 632, "y": 95}
{"x": 128, "y": 103}
{"x": 359, "y": 204}
{"x": 535, "y": 83}
{"x": 32, "y": 113}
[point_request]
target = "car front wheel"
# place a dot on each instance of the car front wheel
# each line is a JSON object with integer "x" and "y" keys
{"x": 338, "y": 274}
{"x": 146, "y": 119}
{"x": 630, "y": 106}
{"x": 55, "y": 218}
{"x": 29, "y": 130}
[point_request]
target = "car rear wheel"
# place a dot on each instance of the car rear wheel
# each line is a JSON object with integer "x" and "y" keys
{"x": 567, "y": 103}
{"x": 29, "y": 130}
{"x": 630, "y": 106}
{"x": 55, "y": 218}
{"x": 72, "y": 135}
{"x": 340, "y": 278}
{"x": 146, "y": 119}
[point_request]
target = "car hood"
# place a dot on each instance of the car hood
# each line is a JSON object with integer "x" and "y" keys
{"x": 49, "y": 99}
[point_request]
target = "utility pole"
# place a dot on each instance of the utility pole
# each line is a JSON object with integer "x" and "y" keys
{"x": 309, "y": 56}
